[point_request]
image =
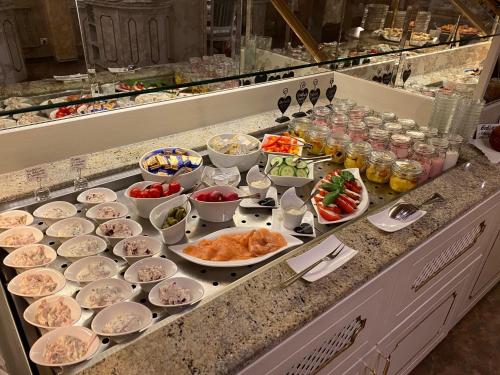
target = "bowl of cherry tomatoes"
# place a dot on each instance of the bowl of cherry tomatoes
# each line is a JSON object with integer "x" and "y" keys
{"x": 146, "y": 195}
{"x": 217, "y": 203}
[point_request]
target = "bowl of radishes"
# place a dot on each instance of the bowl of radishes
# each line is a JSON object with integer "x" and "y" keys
{"x": 146, "y": 195}
{"x": 217, "y": 203}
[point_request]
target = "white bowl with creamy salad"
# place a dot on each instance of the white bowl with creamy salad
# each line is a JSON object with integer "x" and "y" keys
{"x": 15, "y": 218}
{"x": 135, "y": 248}
{"x": 30, "y": 256}
{"x": 176, "y": 292}
{"x": 17, "y": 237}
{"x": 36, "y": 283}
{"x": 106, "y": 211}
{"x": 115, "y": 230}
{"x": 53, "y": 312}
{"x": 234, "y": 150}
{"x": 103, "y": 293}
{"x": 82, "y": 247}
{"x": 90, "y": 269}
{"x": 121, "y": 319}
{"x": 66, "y": 229}
{"x": 149, "y": 272}
{"x": 94, "y": 196}
{"x": 52, "y": 212}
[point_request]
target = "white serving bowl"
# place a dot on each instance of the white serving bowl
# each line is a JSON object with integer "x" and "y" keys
{"x": 152, "y": 243}
{"x": 109, "y": 196}
{"x": 222, "y": 176}
{"x": 216, "y": 212}
{"x": 13, "y": 285}
{"x": 82, "y": 333}
{"x": 126, "y": 291}
{"x": 52, "y": 231}
{"x": 131, "y": 273}
{"x": 145, "y": 205}
{"x": 109, "y": 313}
{"x": 29, "y": 218}
{"x": 63, "y": 250}
{"x": 157, "y": 217}
{"x": 74, "y": 269}
{"x": 187, "y": 180}
{"x": 254, "y": 175}
{"x": 196, "y": 290}
{"x": 30, "y": 312}
{"x": 19, "y": 230}
{"x": 41, "y": 212}
{"x": 9, "y": 260}
{"x": 292, "y": 181}
{"x": 119, "y": 207}
{"x": 242, "y": 162}
{"x": 113, "y": 240}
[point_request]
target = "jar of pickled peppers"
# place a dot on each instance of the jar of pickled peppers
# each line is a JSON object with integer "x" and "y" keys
{"x": 404, "y": 175}
{"x": 316, "y": 136}
{"x": 379, "y": 139}
{"x": 357, "y": 154}
{"x": 300, "y": 126}
{"x": 379, "y": 166}
{"x": 423, "y": 153}
{"x": 336, "y": 145}
{"x": 400, "y": 144}
{"x": 357, "y": 131}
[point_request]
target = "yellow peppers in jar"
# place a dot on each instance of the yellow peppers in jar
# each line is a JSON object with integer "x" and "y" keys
{"x": 357, "y": 154}
{"x": 379, "y": 166}
{"x": 405, "y": 175}
{"x": 402, "y": 185}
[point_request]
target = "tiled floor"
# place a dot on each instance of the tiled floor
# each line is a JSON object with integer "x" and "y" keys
{"x": 473, "y": 346}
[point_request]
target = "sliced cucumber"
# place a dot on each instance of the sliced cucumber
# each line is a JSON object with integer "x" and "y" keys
{"x": 275, "y": 171}
{"x": 291, "y": 161}
{"x": 276, "y": 161}
{"x": 303, "y": 172}
{"x": 301, "y": 164}
{"x": 286, "y": 170}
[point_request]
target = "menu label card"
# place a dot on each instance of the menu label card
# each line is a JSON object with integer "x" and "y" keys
{"x": 484, "y": 130}
{"x": 36, "y": 173}
{"x": 78, "y": 162}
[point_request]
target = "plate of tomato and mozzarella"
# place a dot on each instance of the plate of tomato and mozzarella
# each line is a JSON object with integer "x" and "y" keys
{"x": 341, "y": 196}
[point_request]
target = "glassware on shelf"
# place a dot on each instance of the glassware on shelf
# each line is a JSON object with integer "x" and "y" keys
{"x": 379, "y": 166}
{"x": 357, "y": 131}
{"x": 393, "y": 128}
{"x": 388, "y": 117}
{"x": 316, "y": 136}
{"x": 444, "y": 111}
{"x": 336, "y": 145}
{"x": 416, "y": 136}
{"x": 400, "y": 144}
{"x": 453, "y": 151}
{"x": 441, "y": 146}
{"x": 339, "y": 123}
{"x": 379, "y": 139}
{"x": 467, "y": 118}
{"x": 404, "y": 175}
{"x": 300, "y": 126}
{"x": 407, "y": 124}
{"x": 321, "y": 116}
{"x": 357, "y": 154}
{"x": 373, "y": 121}
{"x": 423, "y": 153}
{"x": 429, "y": 132}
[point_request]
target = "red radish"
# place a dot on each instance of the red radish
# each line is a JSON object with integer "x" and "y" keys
{"x": 230, "y": 197}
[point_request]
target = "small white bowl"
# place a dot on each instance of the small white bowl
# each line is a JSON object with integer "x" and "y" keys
{"x": 30, "y": 312}
{"x": 152, "y": 243}
{"x": 9, "y": 260}
{"x": 157, "y": 217}
{"x": 196, "y": 290}
{"x": 292, "y": 181}
{"x": 290, "y": 200}
{"x": 119, "y": 207}
{"x": 63, "y": 250}
{"x": 216, "y": 212}
{"x": 28, "y": 218}
{"x": 113, "y": 240}
{"x": 59, "y": 279}
{"x": 145, "y": 205}
{"x": 125, "y": 288}
{"x": 42, "y": 211}
{"x": 109, "y": 313}
{"x": 187, "y": 180}
{"x": 74, "y": 269}
{"x": 242, "y": 162}
{"x": 131, "y": 273}
{"x": 52, "y": 231}
{"x": 82, "y": 333}
{"x": 38, "y": 235}
{"x": 109, "y": 196}
{"x": 254, "y": 175}
{"x": 221, "y": 176}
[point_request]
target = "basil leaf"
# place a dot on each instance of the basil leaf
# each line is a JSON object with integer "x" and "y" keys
{"x": 330, "y": 197}
{"x": 346, "y": 175}
{"x": 328, "y": 186}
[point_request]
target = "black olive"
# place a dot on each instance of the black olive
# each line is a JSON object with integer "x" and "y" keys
{"x": 267, "y": 202}
{"x": 304, "y": 228}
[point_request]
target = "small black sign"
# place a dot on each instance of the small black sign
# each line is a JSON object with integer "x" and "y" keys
{"x": 314, "y": 93}
{"x": 406, "y": 74}
{"x": 283, "y": 104}
{"x": 331, "y": 91}
{"x": 301, "y": 97}
{"x": 260, "y": 78}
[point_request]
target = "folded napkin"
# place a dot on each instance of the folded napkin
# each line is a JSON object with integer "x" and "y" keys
{"x": 484, "y": 145}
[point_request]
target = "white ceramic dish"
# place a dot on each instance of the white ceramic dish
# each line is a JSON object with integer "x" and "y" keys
{"x": 109, "y": 196}
{"x": 53, "y": 230}
{"x": 187, "y": 180}
{"x": 223, "y": 176}
{"x": 42, "y": 211}
{"x": 145, "y": 205}
{"x": 383, "y": 221}
{"x": 74, "y": 269}
{"x": 195, "y": 288}
{"x": 242, "y": 162}
{"x": 126, "y": 291}
{"x": 57, "y": 277}
{"x": 82, "y": 333}
{"x": 277, "y": 224}
{"x": 30, "y": 312}
{"x": 254, "y": 202}
{"x": 255, "y": 175}
{"x": 37, "y": 234}
{"x": 176, "y": 232}
{"x": 292, "y": 181}
{"x": 119, "y": 207}
{"x": 131, "y": 275}
{"x": 152, "y": 244}
{"x": 179, "y": 249}
{"x": 109, "y": 313}
{"x": 264, "y": 141}
{"x": 216, "y": 212}
{"x": 9, "y": 260}
{"x": 113, "y": 240}
{"x": 15, "y": 213}
{"x": 362, "y": 207}
{"x": 290, "y": 200}
{"x": 63, "y": 250}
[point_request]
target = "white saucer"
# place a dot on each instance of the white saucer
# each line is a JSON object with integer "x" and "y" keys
{"x": 382, "y": 220}
{"x": 253, "y": 202}
{"x": 277, "y": 224}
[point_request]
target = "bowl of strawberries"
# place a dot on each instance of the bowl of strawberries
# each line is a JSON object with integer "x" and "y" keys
{"x": 146, "y": 195}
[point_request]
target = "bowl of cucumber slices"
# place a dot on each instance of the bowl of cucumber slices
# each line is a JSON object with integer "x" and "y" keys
{"x": 289, "y": 170}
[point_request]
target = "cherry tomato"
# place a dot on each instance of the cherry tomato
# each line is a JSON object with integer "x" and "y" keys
{"x": 158, "y": 187}
{"x": 135, "y": 193}
{"x": 155, "y": 193}
{"x": 174, "y": 187}
{"x": 166, "y": 193}
{"x": 143, "y": 194}
{"x": 202, "y": 197}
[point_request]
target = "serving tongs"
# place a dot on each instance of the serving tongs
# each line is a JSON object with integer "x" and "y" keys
{"x": 313, "y": 159}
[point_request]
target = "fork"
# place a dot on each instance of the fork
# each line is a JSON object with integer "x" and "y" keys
{"x": 403, "y": 211}
{"x": 330, "y": 256}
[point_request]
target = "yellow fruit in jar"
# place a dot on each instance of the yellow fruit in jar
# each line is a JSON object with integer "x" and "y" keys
{"x": 338, "y": 155}
{"x": 355, "y": 162}
{"x": 401, "y": 185}
{"x": 377, "y": 174}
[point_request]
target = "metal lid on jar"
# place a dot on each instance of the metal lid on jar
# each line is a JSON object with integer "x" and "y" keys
{"x": 373, "y": 121}
{"x": 400, "y": 139}
{"x": 407, "y": 123}
{"x": 388, "y": 116}
{"x": 363, "y": 148}
{"x": 379, "y": 134}
{"x": 393, "y": 127}
{"x": 382, "y": 157}
{"x": 454, "y": 139}
{"x": 306, "y": 121}
{"x": 407, "y": 168}
{"x": 439, "y": 143}
{"x": 356, "y": 125}
{"x": 339, "y": 119}
{"x": 320, "y": 112}
{"x": 416, "y": 136}
{"x": 429, "y": 132}
{"x": 362, "y": 108}
{"x": 424, "y": 149}
{"x": 338, "y": 139}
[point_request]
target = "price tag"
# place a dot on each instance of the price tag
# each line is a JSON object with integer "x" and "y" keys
{"x": 78, "y": 162}
{"x": 36, "y": 173}
{"x": 484, "y": 130}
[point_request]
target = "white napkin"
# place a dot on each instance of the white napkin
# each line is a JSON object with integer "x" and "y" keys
{"x": 484, "y": 145}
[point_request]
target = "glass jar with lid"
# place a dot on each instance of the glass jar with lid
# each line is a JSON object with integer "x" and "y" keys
{"x": 454, "y": 143}
{"x": 393, "y": 128}
{"x": 441, "y": 146}
{"x": 357, "y": 154}
{"x": 379, "y": 139}
{"x": 388, "y": 117}
{"x": 300, "y": 126}
{"x": 336, "y": 145}
{"x": 321, "y": 116}
{"x": 339, "y": 123}
{"x": 407, "y": 124}
{"x": 404, "y": 175}
{"x": 316, "y": 136}
{"x": 373, "y": 121}
{"x": 379, "y": 166}
{"x": 341, "y": 109}
{"x": 416, "y": 136}
{"x": 348, "y": 102}
{"x": 357, "y": 131}
{"x": 400, "y": 144}
{"x": 429, "y": 132}
{"x": 423, "y": 153}
{"x": 359, "y": 112}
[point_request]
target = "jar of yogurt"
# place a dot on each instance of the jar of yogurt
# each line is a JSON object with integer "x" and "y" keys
{"x": 404, "y": 175}
{"x": 357, "y": 154}
{"x": 336, "y": 146}
{"x": 429, "y": 132}
{"x": 357, "y": 131}
{"x": 441, "y": 146}
{"x": 452, "y": 153}
{"x": 393, "y": 128}
{"x": 379, "y": 166}
{"x": 316, "y": 136}
{"x": 300, "y": 126}
{"x": 400, "y": 144}
{"x": 407, "y": 124}
{"x": 321, "y": 116}
{"x": 373, "y": 121}
{"x": 339, "y": 123}
{"x": 379, "y": 139}
{"x": 423, "y": 153}
{"x": 416, "y": 136}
